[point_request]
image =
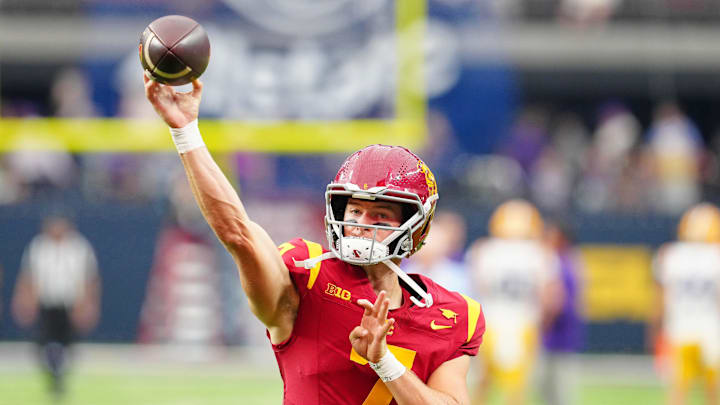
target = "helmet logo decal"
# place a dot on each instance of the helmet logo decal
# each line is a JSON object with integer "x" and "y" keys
{"x": 356, "y": 253}
{"x": 429, "y": 177}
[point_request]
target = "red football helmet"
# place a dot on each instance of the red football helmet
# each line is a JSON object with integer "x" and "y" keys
{"x": 381, "y": 173}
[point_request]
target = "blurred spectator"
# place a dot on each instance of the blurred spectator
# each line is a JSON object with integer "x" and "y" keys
{"x": 58, "y": 290}
{"x": 527, "y": 138}
{"x": 570, "y": 138}
{"x": 128, "y": 177}
{"x": 555, "y": 174}
{"x": 633, "y": 188}
{"x": 438, "y": 258}
{"x": 41, "y": 172}
{"x": 616, "y": 135}
{"x": 489, "y": 179}
{"x": 516, "y": 277}
{"x": 617, "y": 132}
{"x": 10, "y": 190}
{"x": 584, "y": 13}
{"x": 551, "y": 181}
{"x": 71, "y": 95}
{"x": 37, "y": 172}
{"x": 46, "y": 168}
{"x": 676, "y": 148}
{"x": 563, "y": 335}
{"x": 442, "y": 149}
{"x": 688, "y": 310}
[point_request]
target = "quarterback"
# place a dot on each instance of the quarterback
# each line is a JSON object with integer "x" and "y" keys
{"x": 347, "y": 325}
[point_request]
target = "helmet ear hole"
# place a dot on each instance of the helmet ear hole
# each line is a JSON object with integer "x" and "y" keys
{"x": 338, "y": 203}
{"x": 408, "y": 211}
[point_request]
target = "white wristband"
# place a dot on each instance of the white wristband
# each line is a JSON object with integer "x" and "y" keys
{"x": 388, "y": 368}
{"x": 187, "y": 138}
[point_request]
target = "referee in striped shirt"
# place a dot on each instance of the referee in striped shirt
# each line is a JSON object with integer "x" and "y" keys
{"x": 58, "y": 291}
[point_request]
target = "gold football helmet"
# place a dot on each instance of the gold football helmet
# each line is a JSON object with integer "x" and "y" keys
{"x": 516, "y": 219}
{"x": 700, "y": 223}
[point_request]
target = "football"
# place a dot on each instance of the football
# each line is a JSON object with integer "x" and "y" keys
{"x": 175, "y": 50}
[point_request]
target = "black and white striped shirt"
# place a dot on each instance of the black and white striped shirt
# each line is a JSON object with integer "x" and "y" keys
{"x": 59, "y": 269}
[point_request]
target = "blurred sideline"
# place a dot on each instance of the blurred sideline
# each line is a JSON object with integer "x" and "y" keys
{"x": 149, "y": 359}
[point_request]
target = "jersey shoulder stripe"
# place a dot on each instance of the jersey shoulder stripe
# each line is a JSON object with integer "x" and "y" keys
{"x": 454, "y": 303}
{"x": 314, "y": 250}
{"x": 474, "y": 312}
{"x": 298, "y": 250}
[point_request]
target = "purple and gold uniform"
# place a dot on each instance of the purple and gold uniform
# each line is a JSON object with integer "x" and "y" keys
{"x": 317, "y": 362}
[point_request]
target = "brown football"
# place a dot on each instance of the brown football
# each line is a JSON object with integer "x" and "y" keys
{"x": 175, "y": 49}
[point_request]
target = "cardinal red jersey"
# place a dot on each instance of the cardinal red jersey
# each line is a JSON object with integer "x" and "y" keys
{"x": 317, "y": 362}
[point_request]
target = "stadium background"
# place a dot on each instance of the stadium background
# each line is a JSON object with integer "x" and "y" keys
{"x": 555, "y": 101}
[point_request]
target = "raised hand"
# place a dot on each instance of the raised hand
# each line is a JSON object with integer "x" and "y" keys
{"x": 176, "y": 109}
{"x": 368, "y": 339}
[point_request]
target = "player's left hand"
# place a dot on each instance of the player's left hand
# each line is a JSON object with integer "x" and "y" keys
{"x": 368, "y": 339}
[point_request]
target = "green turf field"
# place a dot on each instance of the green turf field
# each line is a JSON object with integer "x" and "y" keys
{"x": 189, "y": 388}
{"x": 110, "y": 388}
{"x": 141, "y": 375}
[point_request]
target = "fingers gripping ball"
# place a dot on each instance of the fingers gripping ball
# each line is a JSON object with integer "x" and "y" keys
{"x": 175, "y": 50}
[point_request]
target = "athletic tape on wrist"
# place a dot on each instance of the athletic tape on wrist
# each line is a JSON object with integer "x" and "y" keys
{"x": 187, "y": 138}
{"x": 388, "y": 368}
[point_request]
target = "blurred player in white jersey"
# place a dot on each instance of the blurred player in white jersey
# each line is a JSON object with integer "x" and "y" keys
{"x": 516, "y": 276}
{"x": 688, "y": 274}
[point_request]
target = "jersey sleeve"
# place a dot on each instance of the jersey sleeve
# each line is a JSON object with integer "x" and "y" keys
{"x": 471, "y": 337}
{"x": 293, "y": 253}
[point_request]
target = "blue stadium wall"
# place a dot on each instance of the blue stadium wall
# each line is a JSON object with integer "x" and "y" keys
{"x": 124, "y": 238}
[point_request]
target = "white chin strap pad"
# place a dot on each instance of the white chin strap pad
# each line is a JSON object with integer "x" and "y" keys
{"x": 362, "y": 249}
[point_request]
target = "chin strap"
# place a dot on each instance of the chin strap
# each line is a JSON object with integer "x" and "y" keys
{"x": 311, "y": 262}
{"x": 427, "y": 299}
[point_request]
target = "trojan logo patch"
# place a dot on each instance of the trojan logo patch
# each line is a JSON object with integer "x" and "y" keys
{"x": 429, "y": 177}
{"x": 449, "y": 314}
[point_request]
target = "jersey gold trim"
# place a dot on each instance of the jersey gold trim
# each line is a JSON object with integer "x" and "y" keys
{"x": 285, "y": 247}
{"x": 473, "y": 315}
{"x": 314, "y": 250}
